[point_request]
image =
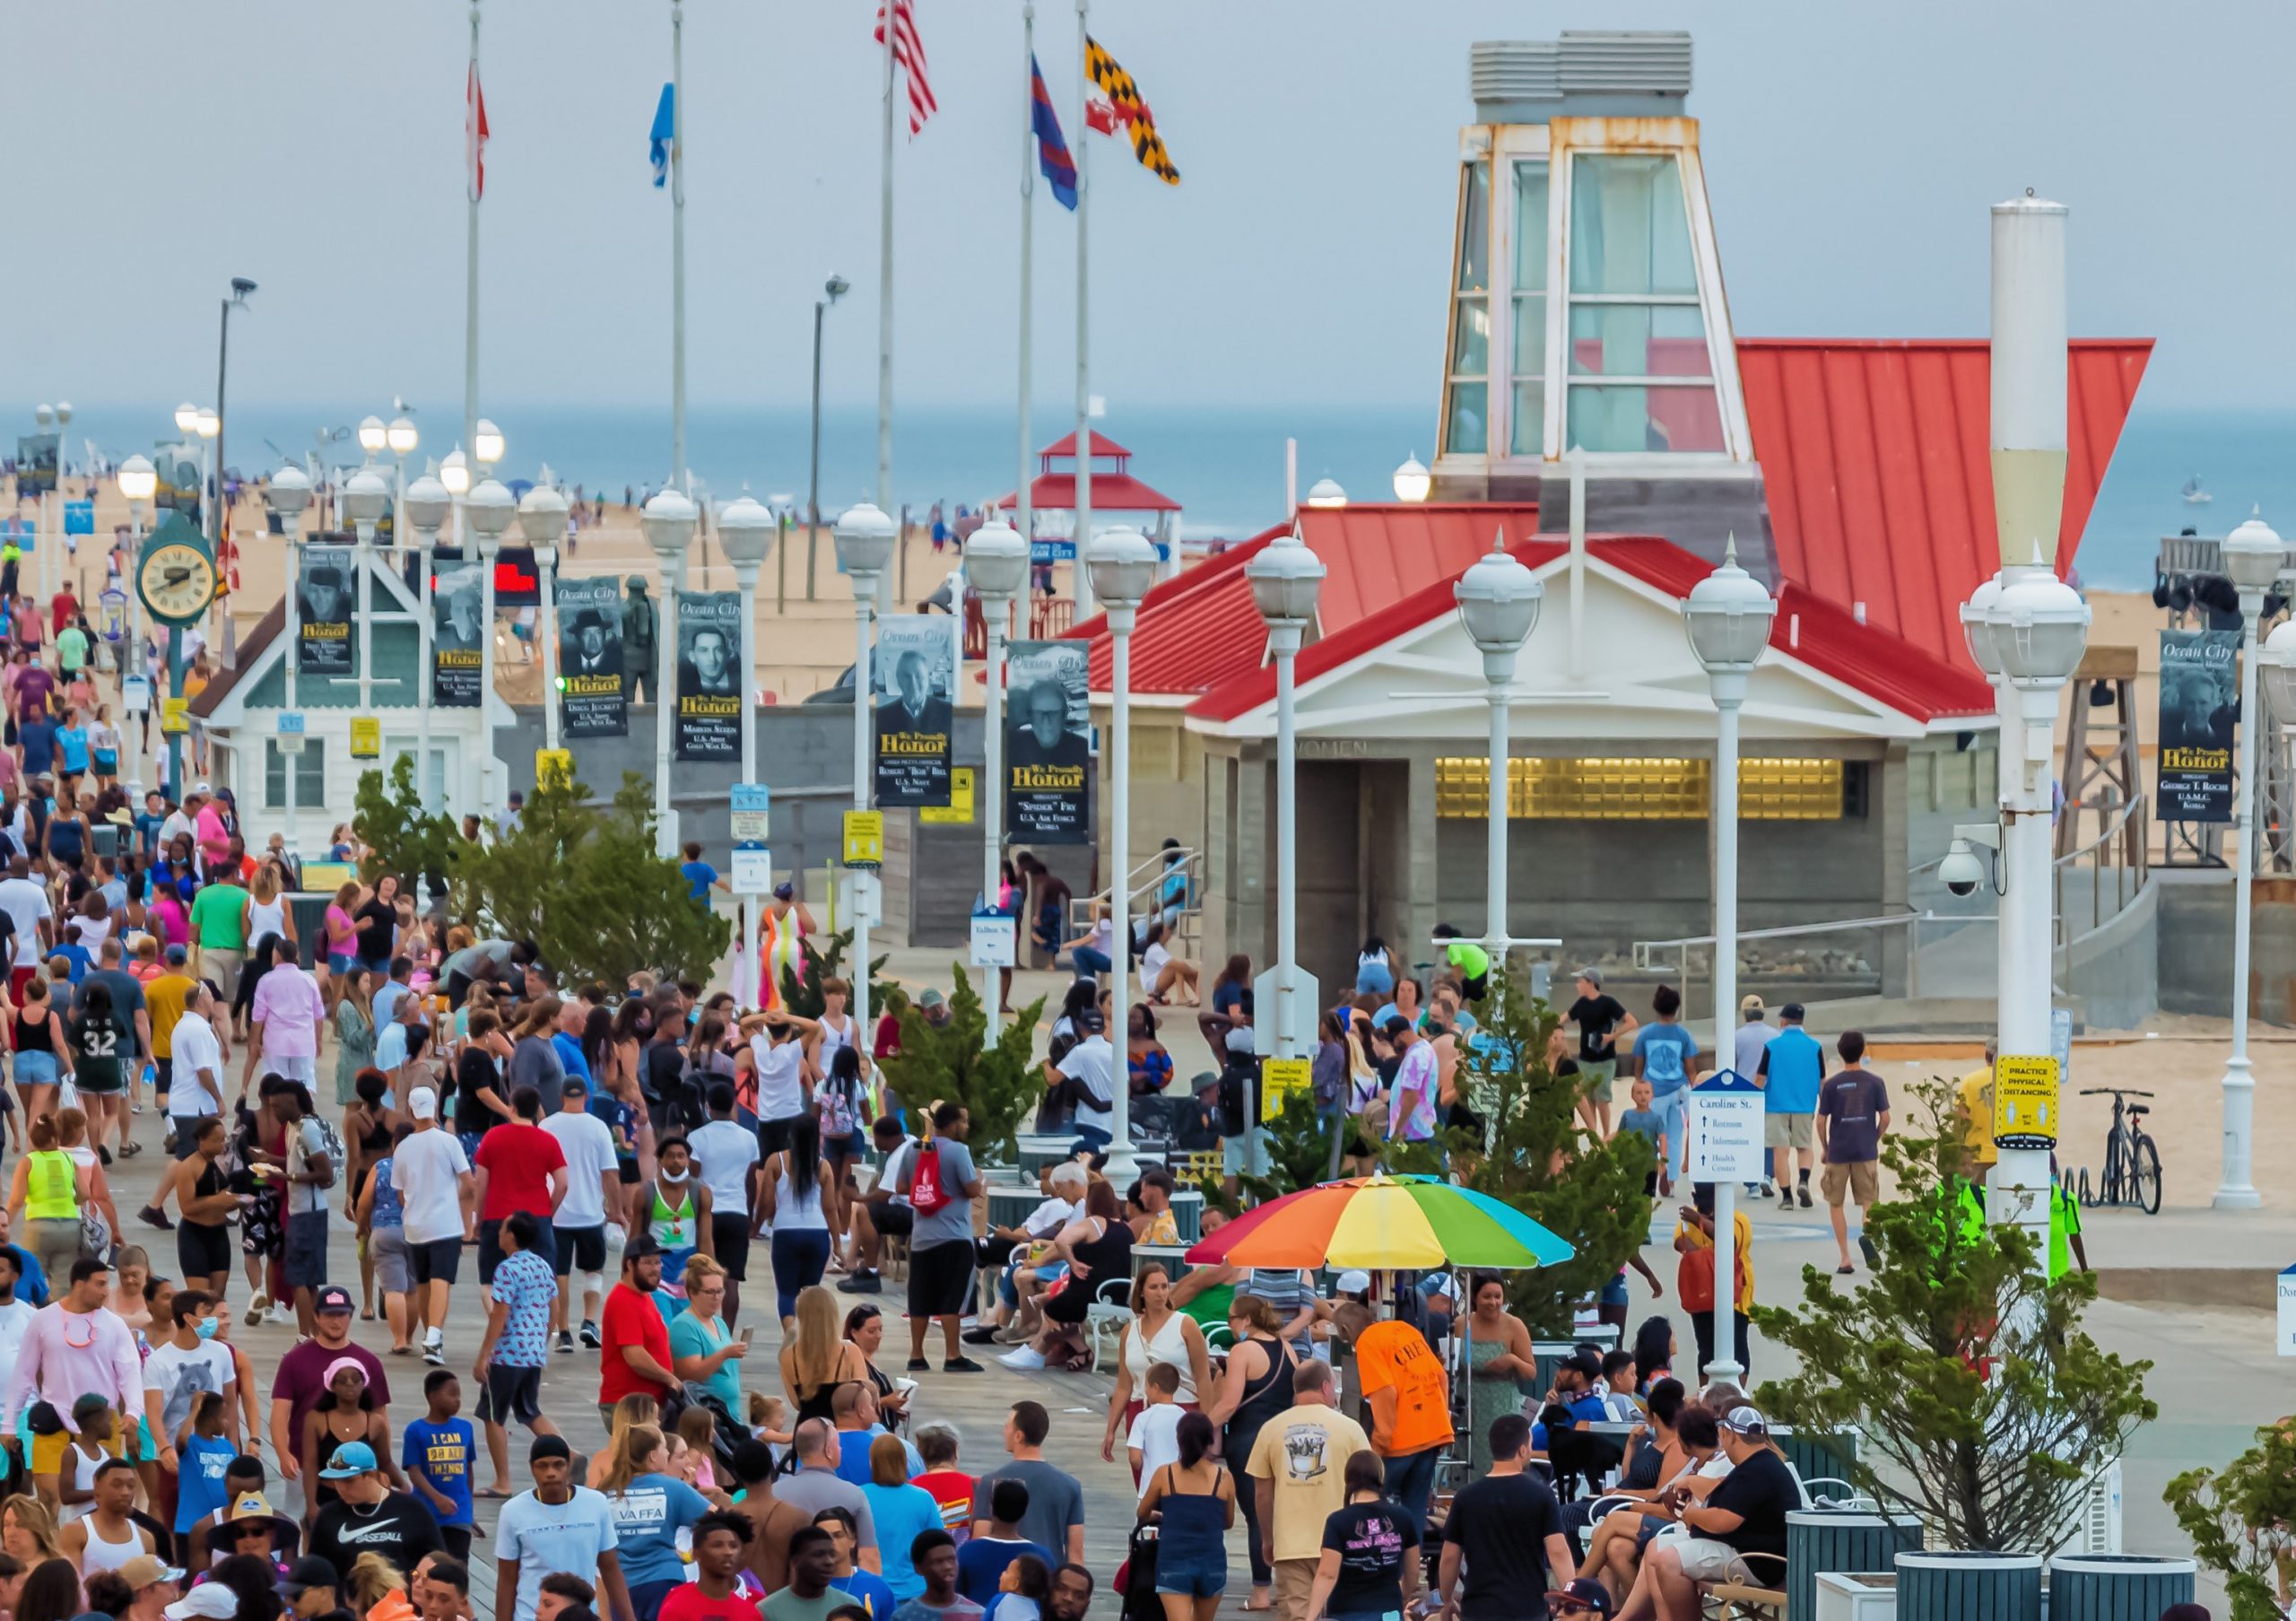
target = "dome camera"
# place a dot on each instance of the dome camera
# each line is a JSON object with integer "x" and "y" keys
{"x": 1963, "y": 871}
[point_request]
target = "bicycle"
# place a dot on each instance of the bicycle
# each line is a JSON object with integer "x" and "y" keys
{"x": 2132, "y": 1173}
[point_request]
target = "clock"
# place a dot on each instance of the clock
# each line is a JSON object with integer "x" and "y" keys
{"x": 177, "y": 581}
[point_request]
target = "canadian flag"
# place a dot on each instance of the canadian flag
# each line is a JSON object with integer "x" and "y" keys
{"x": 474, "y": 134}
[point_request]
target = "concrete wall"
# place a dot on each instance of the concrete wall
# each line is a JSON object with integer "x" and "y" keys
{"x": 2196, "y": 933}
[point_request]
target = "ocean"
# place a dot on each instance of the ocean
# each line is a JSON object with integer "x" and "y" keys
{"x": 1224, "y": 465}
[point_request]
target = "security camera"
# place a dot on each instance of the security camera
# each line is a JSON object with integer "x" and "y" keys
{"x": 1962, "y": 872}
{"x": 836, "y": 287}
{"x": 241, "y": 287}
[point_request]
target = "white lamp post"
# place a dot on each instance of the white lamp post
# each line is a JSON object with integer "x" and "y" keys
{"x": 1499, "y": 604}
{"x": 1123, "y": 566}
{"x": 541, "y": 520}
{"x": 401, "y": 438}
{"x": 2253, "y": 557}
{"x": 374, "y": 436}
{"x": 1727, "y": 616}
{"x": 864, "y": 537}
{"x": 745, "y": 530}
{"x": 1326, "y": 493}
{"x": 289, "y": 493}
{"x": 669, "y": 521}
{"x": 2278, "y": 658}
{"x": 1412, "y": 481}
{"x": 1286, "y": 577}
{"x": 427, "y": 505}
{"x": 996, "y": 565}
{"x": 487, "y": 444}
{"x": 490, "y": 508}
{"x": 207, "y": 424}
{"x": 363, "y": 496}
{"x": 138, "y": 483}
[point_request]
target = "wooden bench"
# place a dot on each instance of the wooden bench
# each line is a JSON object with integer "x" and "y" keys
{"x": 1744, "y": 1601}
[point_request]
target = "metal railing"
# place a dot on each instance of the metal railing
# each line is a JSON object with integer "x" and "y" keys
{"x": 1144, "y": 898}
{"x": 2118, "y": 849}
{"x": 1662, "y": 956}
{"x": 1049, "y": 617}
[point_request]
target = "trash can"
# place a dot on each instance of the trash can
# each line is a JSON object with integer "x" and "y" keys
{"x": 310, "y": 913}
{"x": 2117, "y": 1587}
{"x": 1948, "y": 1585}
{"x": 1821, "y": 1541}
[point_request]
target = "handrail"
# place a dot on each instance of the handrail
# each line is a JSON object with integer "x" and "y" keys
{"x": 2130, "y": 874}
{"x": 1143, "y": 884}
{"x": 1896, "y": 919}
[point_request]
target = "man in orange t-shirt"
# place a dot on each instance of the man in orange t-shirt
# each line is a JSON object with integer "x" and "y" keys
{"x": 1408, "y": 1398}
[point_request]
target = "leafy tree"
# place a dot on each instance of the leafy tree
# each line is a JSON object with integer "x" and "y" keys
{"x": 403, "y": 838}
{"x": 1985, "y": 1409}
{"x": 1299, "y": 1150}
{"x": 2238, "y": 1519}
{"x": 947, "y": 1063}
{"x": 801, "y": 982}
{"x": 1531, "y": 1154}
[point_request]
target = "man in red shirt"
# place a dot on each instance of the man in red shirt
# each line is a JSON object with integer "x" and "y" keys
{"x": 520, "y": 1167}
{"x": 635, "y": 1359}
{"x": 719, "y": 1539}
{"x": 63, "y": 610}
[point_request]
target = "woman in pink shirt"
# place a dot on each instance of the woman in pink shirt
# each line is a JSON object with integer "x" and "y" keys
{"x": 285, "y": 1017}
{"x": 167, "y": 913}
{"x": 215, "y": 833}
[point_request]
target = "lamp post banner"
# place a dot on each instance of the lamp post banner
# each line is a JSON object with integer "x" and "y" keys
{"x": 36, "y": 461}
{"x": 913, "y": 683}
{"x": 2200, "y": 699}
{"x": 175, "y": 481}
{"x": 594, "y": 695}
{"x": 326, "y": 590}
{"x": 457, "y": 632}
{"x": 1048, "y": 745}
{"x": 709, "y": 682}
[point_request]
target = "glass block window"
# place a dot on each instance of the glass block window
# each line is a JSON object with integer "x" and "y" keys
{"x": 1639, "y": 788}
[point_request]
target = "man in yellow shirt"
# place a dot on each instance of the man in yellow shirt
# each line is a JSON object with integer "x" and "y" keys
{"x": 165, "y": 998}
{"x": 1973, "y": 1096}
{"x": 1695, "y": 1232}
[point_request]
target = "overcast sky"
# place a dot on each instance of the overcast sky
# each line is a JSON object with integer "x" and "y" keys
{"x": 159, "y": 148}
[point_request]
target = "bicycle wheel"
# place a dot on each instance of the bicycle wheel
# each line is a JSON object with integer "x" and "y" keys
{"x": 2114, "y": 1190}
{"x": 2144, "y": 1174}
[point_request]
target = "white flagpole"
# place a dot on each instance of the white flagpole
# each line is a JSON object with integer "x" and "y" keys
{"x": 680, "y": 475}
{"x": 1022, "y": 511}
{"x": 470, "y": 290}
{"x": 1084, "y": 529}
{"x": 885, "y": 288}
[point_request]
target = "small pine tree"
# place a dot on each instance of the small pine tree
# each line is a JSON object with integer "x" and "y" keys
{"x": 822, "y": 957}
{"x": 947, "y": 1063}
{"x": 1984, "y": 1407}
{"x": 405, "y": 841}
{"x": 2238, "y": 1519}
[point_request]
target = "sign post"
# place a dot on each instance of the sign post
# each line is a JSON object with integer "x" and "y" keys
{"x": 752, "y": 819}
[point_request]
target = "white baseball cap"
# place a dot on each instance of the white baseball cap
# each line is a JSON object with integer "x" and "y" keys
{"x": 1356, "y": 1280}
{"x": 210, "y": 1600}
{"x": 423, "y": 1103}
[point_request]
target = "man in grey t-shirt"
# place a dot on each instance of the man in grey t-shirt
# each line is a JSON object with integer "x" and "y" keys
{"x": 941, "y": 1256}
{"x": 1055, "y": 1516}
{"x": 815, "y": 1485}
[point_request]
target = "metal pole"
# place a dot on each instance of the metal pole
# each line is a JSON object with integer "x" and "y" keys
{"x": 2021, "y": 1176}
{"x": 1121, "y": 1167}
{"x": 864, "y": 598}
{"x": 745, "y": 974}
{"x": 1084, "y": 529}
{"x": 366, "y": 618}
{"x": 680, "y": 475}
{"x": 424, "y": 542}
{"x": 992, "y": 803}
{"x": 215, "y": 536}
{"x": 1729, "y": 693}
{"x": 666, "y": 671}
{"x": 2236, "y": 1188}
{"x": 487, "y": 802}
{"x": 1283, "y": 643}
{"x": 1023, "y": 516}
{"x": 885, "y": 303}
{"x": 814, "y": 477}
{"x": 546, "y": 631}
{"x": 470, "y": 337}
{"x": 175, "y": 690}
{"x": 1495, "y": 820}
{"x": 295, "y": 656}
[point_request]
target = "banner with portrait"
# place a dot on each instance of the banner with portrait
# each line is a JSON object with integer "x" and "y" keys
{"x": 913, "y": 686}
{"x": 458, "y": 628}
{"x": 176, "y": 480}
{"x": 326, "y": 593}
{"x": 1048, "y": 745}
{"x": 37, "y": 457}
{"x": 594, "y": 700}
{"x": 710, "y": 675}
{"x": 2200, "y": 700}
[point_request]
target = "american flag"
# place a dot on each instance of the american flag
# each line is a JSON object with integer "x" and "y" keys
{"x": 908, "y": 51}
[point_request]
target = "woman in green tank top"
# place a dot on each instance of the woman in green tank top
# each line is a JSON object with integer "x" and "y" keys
{"x": 45, "y": 1198}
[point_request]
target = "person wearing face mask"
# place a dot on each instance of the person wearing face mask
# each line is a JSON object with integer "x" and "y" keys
{"x": 191, "y": 1363}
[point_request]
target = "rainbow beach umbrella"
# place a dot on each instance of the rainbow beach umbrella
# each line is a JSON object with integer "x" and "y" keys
{"x": 1383, "y": 1221}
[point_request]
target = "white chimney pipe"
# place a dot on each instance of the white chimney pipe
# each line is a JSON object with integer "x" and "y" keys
{"x": 2028, "y": 377}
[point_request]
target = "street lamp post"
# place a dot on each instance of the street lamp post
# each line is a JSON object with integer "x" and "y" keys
{"x": 745, "y": 530}
{"x": 669, "y": 521}
{"x": 138, "y": 481}
{"x": 2253, "y": 557}
{"x": 864, "y": 538}
{"x": 2278, "y": 660}
{"x": 209, "y": 427}
{"x": 362, "y": 498}
{"x": 1499, "y": 602}
{"x": 454, "y": 478}
{"x": 832, "y": 290}
{"x": 1122, "y": 566}
{"x": 1286, "y": 578}
{"x": 541, "y": 521}
{"x": 490, "y": 508}
{"x": 487, "y": 445}
{"x": 996, "y": 565}
{"x": 289, "y": 493}
{"x": 428, "y": 506}
{"x": 1727, "y": 616}
{"x": 402, "y": 437}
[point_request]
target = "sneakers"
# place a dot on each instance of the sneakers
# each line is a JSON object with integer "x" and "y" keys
{"x": 256, "y": 1307}
{"x": 1024, "y": 1359}
{"x": 280, "y": 1313}
{"x": 1768, "y": 1189}
{"x": 591, "y": 1334}
{"x": 152, "y": 1216}
{"x": 979, "y": 1336}
{"x": 434, "y": 1349}
{"x": 864, "y": 1281}
{"x": 1785, "y": 1199}
{"x": 918, "y": 1365}
{"x": 1804, "y": 1191}
{"x": 963, "y": 1365}
{"x": 566, "y": 1342}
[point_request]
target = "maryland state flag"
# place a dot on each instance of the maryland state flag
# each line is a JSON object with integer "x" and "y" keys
{"x": 1123, "y": 100}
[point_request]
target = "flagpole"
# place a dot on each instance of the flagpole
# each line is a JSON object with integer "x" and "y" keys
{"x": 886, "y": 294}
{"x": 1022, "y": 514}
{"x": 1083, "y": 576}
{"x": 680, "y": 475}
{"x": 470, "y": 289}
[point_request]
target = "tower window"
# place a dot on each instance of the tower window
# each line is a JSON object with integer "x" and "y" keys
{"x": 1466, "y": 406}
{"x": 1640, "y": 373}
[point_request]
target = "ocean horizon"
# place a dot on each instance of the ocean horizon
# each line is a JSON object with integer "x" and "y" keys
{"x": 1224, "y": 465}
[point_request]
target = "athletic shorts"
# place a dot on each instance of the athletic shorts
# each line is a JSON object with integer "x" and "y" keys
{"x": 438, "y": 1261}
{"x": 580, "y": 1247}
{"x": 892, "y": 1219}
{"x": 510, "y": 1394}
{"x": 1603, "y": 1075}
{"x": 940, "y": 1279}
{"x": 773, "y": 1135}
{"x": 1860, "y": 1179}
{"x": 1789, "y": 1130}
{"x": 729, "y": 1237}
{"x": 306, "y": 1257}
{"x": 394, "y": 1266}
{"x": 491, "y": 1250}
{"x": 201, "y": 1252}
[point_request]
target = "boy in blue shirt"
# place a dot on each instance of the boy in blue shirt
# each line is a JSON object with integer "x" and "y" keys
{"x": 437, "y": 1457}
{"x": 701, "y": 877}
{"x": 205, "y": 1458}
{"x": 1665, "y": 1055}
{"x": 1644, "y": 1119}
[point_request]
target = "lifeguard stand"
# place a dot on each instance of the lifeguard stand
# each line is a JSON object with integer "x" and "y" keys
{"x": 2102, "y": 777}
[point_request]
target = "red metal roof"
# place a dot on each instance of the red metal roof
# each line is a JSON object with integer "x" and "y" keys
{"x": 1112, "y": 492}
{"x": 1066, "y": 445}
{"x": 1877, "y": 465}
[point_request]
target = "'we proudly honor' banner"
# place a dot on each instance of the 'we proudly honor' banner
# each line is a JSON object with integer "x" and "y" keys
{"x": 457, "y": 608}
{"x": 710, "y": 675}
{"x": 913, "y": 681}
{"x": 1048, "y": 745}
{"x": 594, "y": 701}
{"x": 325, "y": 593}
{"x": 2200, "y": 697}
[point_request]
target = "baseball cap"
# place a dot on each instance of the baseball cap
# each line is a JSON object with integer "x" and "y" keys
{"x": 178, "y": 955}
{"x": 423, "y": 1103}
{"x": 144, "y": 1569}
{"x": 1792, "y": 1010}
{"x": 1745, "y": 1421}
{"x": 1356, "y": 1280}
{"x": 311, "y": 1570}
{"x": 352, "y": 1457}
{"x": 928, "y": 997}
{"x": 1750, "y": 1004}
{"x": 1592, "y": 976}
{"x": 575, "y": 1087}
{"x": 335, "y": 1297}
{"x": 251, "y": 1505}
{"x": 644, "y": 1244}
{"x": 201, "y": 788}
{"x": 1087, "y": 1020}
{"x": 1581, "y": 1596}
{"x": 210, "y": 1600}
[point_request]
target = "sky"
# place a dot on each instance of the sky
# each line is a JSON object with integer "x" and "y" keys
{"x": 1851, "y": 152}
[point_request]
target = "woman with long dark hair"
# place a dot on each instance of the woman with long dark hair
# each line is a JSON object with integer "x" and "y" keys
{"x": 1654, "y": 1353}
{"x": 51, "y": 1592}
{"x": 791, "y": 1197}
{"x": 344, "y": 1413}
{"x": 1192, "y": 1502}
{"x": 841, "y": 1104}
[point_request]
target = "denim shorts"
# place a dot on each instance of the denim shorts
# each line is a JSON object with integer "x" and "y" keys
{"x": 341, "y": 962}
{"x": 36, "y": 1069}
{"x": 1192, "y": 1584}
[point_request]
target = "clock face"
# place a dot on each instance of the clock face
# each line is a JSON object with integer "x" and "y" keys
{"x": 177, "y": 581}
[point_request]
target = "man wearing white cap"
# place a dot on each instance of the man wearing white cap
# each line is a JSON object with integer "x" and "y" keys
{"x": 433, "y": 1177}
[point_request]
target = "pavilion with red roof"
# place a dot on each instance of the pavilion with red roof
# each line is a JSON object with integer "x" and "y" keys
{"x": 1052, "y": 498}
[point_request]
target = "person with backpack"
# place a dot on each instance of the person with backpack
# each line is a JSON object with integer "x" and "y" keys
{"x": 313, "y": 1153}
{"x": 940, "y": 1183}
{"x": 791, "y": 1197}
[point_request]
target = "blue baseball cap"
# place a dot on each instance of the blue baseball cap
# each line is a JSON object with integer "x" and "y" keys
{"x": 353, "y": 1457}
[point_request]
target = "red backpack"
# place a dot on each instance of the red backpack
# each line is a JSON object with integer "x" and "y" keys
{"x": 927, "y": 1192}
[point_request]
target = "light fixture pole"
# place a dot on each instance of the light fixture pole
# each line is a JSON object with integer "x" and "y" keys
{"x": 2253, "y": 557}
{"x": 996, "y": 565}
{"x": 1122, "y": 565}
{"x": 1727, "y": 617}
{"x": 1286, "y": 578}
{"x": 490, "y": 508}
{"x": 138, "y": 481}
{"x": 832, "y": 290}
{"x": 864, "y": 537}
{"x": 2278, "y": 660}
{"x": 745, "y": 530}
{"x": 428, "y": 506}
{"x": 362, "y": 498}
{"x": 288, "y": 494}
{"x": 63, "y": 422}
{"x": 209, "y": 428}
{"x": 454, "y": 478}
{"x": 669, "y": 521}
{"x": 541, "y": 520}
{"x": 1499, "y": 602}
{"x": 402, "y": 437}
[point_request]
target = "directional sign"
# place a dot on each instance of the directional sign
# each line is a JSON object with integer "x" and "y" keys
{"x": 291, "y": 731}
{"x": 996, "y": 939}
{"x": 2287, "y": 1282}
{"x": 751, "y": 818}
{"x": 1724, "y": 1124}
{"x": 79, "y": 518}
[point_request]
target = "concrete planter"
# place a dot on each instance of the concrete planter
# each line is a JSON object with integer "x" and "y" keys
{"x": 1952, "y": 1586}
{"x": 2116, "y": 1587}
{"x": 1821, "y": 1541}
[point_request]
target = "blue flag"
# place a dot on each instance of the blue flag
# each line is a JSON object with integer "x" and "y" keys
{"x": 1052, "y": 149}
{"x": 665, "y": 130}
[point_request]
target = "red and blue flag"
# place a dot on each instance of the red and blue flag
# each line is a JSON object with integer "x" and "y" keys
{"x": 1053, "y": 156}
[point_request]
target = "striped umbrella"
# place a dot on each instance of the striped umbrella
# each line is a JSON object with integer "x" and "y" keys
{"x": 1376, "y": 1221}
